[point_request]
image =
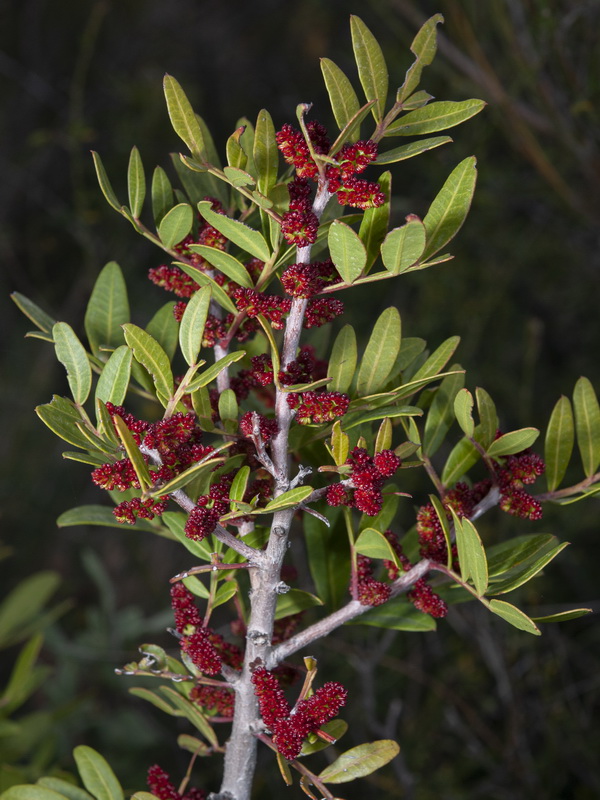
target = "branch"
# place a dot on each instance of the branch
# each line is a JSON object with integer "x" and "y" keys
{"x": 348, "y": 612}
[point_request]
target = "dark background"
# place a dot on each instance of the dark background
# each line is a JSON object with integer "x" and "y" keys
{"x": 479, "y": 709}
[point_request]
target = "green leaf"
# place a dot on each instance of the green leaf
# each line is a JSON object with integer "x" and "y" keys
{"x": 23, "y": 605}
{"x": 162, "y": 194}
{"x": 185, "y": 477}
{"x": 372, "y": 69}
{"x": 136, "y": 183}
{"x": 39, "y": 317}
{"x": 210, "y": 374}
{"x": 153, "y": 358}
{"x": 288, "y": 499}
{"x": 350, "y": 421}
{"x": 228, "y": 407}
{"x": 196, "y": 587}
{"x": 155, "y": 699}
{"x": 218, "y": 293}
{"x": 587, "y": 425}
{"x": 105, "y": 185}
{"x": 103, "y": 516}
{"x": 404, "y": 246}
{"x": 192, "y": 745}
{"x": 526, "y": 571}
{"x": 397, "y": 615}
{"x": 191, "y": 329}
{"x": 133, "y": 453}
{"x": 424, "y": 47}
{"x": 225, "y": 592}
{"x": 30, "y": 791}
{"x": 375, "y": 222}
{"x": 107, "y": 310}
{"x": 226, "y": 263}
{"x": 175, "y": 522}
{"x": 514, "y": 616}
{"x": 411, "y": 150}
{"x": 360, "y": 761}
{"x": 72, "y": 355}
{"x": 342, "y": 364}
{"x": 236, "y": 155}
{"x": 239, "y": 484}
{"x": 513, "y": 442}
{"x": 63, "y": 419}
{"x": 558, "y": 446}
{"x": 183, "y": 119}
{"x": 328, "y": 557}
{"x": 381, "y": 352}
{"x": 450, "y": 207}
{"x": 340, "y": 444}
{"x": 516, "y": 551}
{"x": 463, "y": 410}
{"x": 193, "y": 714}
{"x": 114, "y": 380}
{"x": 347, "y": 251}
{"x": 294, "y": 601}
{"x": 383, "y": 440}
{"x": 373, "y": 544}
{"x": 336, "y": 729}
{"x": 437, "y": 360}
{"x": 65, "y": 788}
{"x": 462, "y": 457}
{"x": 471, "y": 554}
{"x": 248, "y": 239}
{"x": 435, "y": 117}
{"x": 165, "y": 329}
{"x": 563, "y": 616}
{"x": 343, "y": 99}
{"x": 203, "y": 408}
{"x": 265, "y": 152}
{"x": 487, "y": 415}
{"x": 416, "y": 100}
{"x": 440, "y": 415}
{"x": 96, "y": 774}
{"x": 175, "y": 225}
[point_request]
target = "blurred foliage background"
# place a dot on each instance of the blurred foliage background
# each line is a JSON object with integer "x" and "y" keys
{"x": 479, "y": 709}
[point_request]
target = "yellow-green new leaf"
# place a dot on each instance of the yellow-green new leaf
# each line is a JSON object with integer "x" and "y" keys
{"x": 558, "y": 446}
{"x": 248, "y": 239}
{"x": 153, "y": 358}
{"x": 210, "y": 374}
{"x": 513, "y": 442}
{"x": 514, "y": 616}
{"x": 587, "y": 425}
{"x": 114, "y": 379}
{"x": 340, "y": 444}
{"x": 136, "y": 183}
{"x": 381, "y": 352}
{"x": 463, "y": 410}
{"x": 487, "y": 416}
{"x": 343, "y": 99}
{"x": 192, "y": 324}
{"x": 72, "y": 355}
{"x": 360, "y": 761}
{"x": 403, "y": 246}
{"x": 96, "y": 774}
{"x": 435, "y": 117}
{"x": 107, "y": 310}
{"x": 175, "y": 225}
{"x": 373, "y": 544}
{"x": 342, "y": 363}
{"x": 225, "y": 263}
{"x": 33, "y": 312}
{"x": 266, "y": 153}
{"x": 289, "y": 499}
{"x": 372, "y": 69}
{"x": 449, "y": 210}
{"x": 183, "y": 118}
{"x": 30, "y": 791}
{"x": 347, "y": 251}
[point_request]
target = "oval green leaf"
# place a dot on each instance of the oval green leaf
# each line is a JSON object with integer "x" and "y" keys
{"x": 72, "y": 355}
{"x": 435, "y": 117}
{"x": 463, "y": 410}
{"x": 248, "y": 239}
{"x": 183, "y": 118}
{"x": 587, "y": 425}
{"x": 226, "y": 263}
{"x": 347, "y": 251}
{"x": 373, "y": 544}
{"x": 114, "y": 379}
{"x": 288, "y": 499}
{"x": 191, "y": 329}
{"x": 96, "y": 774}
{"x": 65, "y": 788}
{"x": 343, "y": 99}
{"x": 30, "y": 791}
{"x": 103, "y": 516}
{"x": 162, "y": 194}
{"x": 105, "y": 184}
{"x": 360, "y": 761}
{"x": 411, "y": 150}
{"x": 404, "y": 246}
{"x": 372, "y": 69}
{"x": 514, "y": 616}
{"x": 381, "y": 352}
{"x": 558, "y": 446}
{"x": 153, "y": 358}
{"x": 449, "y": 210}
{"x": 513, "y": 442}
{"x": 175, "y": 225}
{"x": 107, "y": 310}
{"x": 375, "y": 222}
{"x": 342, "y": 363}
{"x": 136, "y": 183}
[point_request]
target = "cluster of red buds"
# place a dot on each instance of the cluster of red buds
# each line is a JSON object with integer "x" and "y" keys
{"x": 421, "y": 595}
{"x": 362, "y": 489}
{"x": 270, "y": 306}
{"x": 130, "y": 510}
{"x": 518, "y": 470}
{"x": 267, "y": 428}
{"x": 160, "y": 785}
{"x": 214, "y": 700}
{"x": 203, "y": 519}
{"x": 306, "y": 280}
{"x": 291, "y": 727}
{"x": 206, "y": 648}
{"x": 318, "y": 407}
{"x": 369, "y": 591}
{"x": 300, "y": 225}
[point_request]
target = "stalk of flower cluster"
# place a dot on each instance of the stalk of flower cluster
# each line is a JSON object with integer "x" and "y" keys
{"x": 240, "y": 755}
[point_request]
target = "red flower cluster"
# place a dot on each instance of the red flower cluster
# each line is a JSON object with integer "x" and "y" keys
{"x": 214, "y": 699}
{"x": 421, "y": 595}
{"x": 360, "y": 194}
{"x": 363, "y": 488}
{"x": 119, "y": 475}
{"x": 370, "y": 592}
{"x": 306, "y": 280}
{"x": 322, "y": 310}
{"x": 305, "y": 368}
{"x": 203, "y": 519}
{"x": 136, "y": 426}
{"x": 173, "y": 279}
{"x": 269, "y": 305}
{"x": 351, "y": 159}
{"x": 202, "y": 652}
{"x": 519, "y": 470}
{"x": 290, "y": 728}
{"x": 318, "y": 407}
{"x": 268, "y": 427}
{"x": 161, "y": 786}
{"x": 130, "y": 510}
{"x": 184, "y": 609}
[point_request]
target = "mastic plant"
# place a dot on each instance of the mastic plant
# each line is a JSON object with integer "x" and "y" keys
{"x": 220, "y": 426}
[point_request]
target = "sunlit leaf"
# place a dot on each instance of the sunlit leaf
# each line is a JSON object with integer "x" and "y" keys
{"x": 372, "y": 69}
{"x": 558, "y": 446}
{"x": 248, "y": 239}
{"x": 72, "y": 355}
{"x": 347, "y": 251}
{"x": 226, "y": 263}
{"x": 136, "y": 183}
{"x": 373, "y": 544}
{"x": 360, "y": 761}
{"x": 182, "y": 117}
{"x": 107, "y": 310}
{"x": 435, "y": 117}
{"x": 96, "y": 774}
{"x": 342, "y": 363}
{"x": 411, "y": 150}
{"x": 210, "y": 374}
{"x": 191, "y": 329}
{"x": 450, "y": 207}
{"x": 403, "y": 246}
{"x": 513, "y": 442}
{"x": 514, "y": 616}
{"x": 175, "y": 225}
{"x": 153, "y": 358}
{"x": 343, "y": 99}
{"x": 463, "y": 410}
{"x": 587, "y": 425}
{"x": 340, "y": 444}
{"x": 114, "y": 380}
{"x": 381, "y": 352}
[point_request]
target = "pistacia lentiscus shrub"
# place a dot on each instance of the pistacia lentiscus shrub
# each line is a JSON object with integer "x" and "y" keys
{"x": 256, "y": 437}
